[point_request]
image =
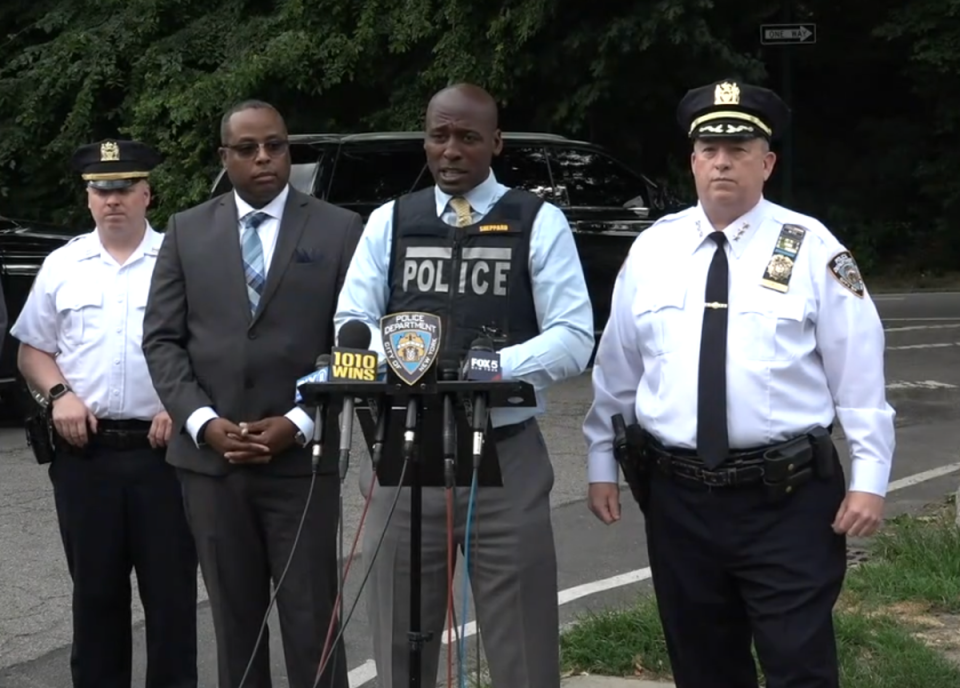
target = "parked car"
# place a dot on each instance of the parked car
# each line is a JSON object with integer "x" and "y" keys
{"x": 23, "y": 246}
{"x": 606, "y": 202}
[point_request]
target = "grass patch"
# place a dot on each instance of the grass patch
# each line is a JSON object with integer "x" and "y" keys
{"x": 912, "y": 559}
{"x": 897, "y": 625}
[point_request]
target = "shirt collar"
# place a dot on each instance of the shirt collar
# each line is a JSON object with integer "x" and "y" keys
{"x": 738, "y": 233}
{"x": 274, "y": 208}
{"x": 481, "y": 197}
{"x": 92, "y": 246}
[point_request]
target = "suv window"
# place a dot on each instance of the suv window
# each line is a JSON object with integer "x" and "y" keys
{"x": 593, "y": 179}
{"x": 525, "y": 167}
{"x": 374, "y": 176}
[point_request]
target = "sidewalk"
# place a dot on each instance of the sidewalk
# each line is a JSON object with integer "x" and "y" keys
{"x": 611, "y": 682}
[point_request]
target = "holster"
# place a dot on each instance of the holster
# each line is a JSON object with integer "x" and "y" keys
{"x": 39, "y": 430}
{"x": 629, "y": 450}
{"x": 789, "y": 465}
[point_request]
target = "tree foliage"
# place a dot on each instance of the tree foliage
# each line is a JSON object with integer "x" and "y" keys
{"x": 872, "y": 111}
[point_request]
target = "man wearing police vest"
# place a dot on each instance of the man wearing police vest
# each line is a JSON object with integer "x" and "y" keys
{"x": 496, "y": 262}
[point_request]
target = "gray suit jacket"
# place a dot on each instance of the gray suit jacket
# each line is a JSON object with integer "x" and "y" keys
{"x": 201, "y": 344}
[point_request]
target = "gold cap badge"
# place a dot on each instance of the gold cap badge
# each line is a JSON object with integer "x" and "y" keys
{"x": 109, "y": 151}
{"x": 726, "y": 94}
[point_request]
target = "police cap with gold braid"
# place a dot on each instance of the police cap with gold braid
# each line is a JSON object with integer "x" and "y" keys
{"x": 732, "y": 109}
{"x": 115, "y": 163}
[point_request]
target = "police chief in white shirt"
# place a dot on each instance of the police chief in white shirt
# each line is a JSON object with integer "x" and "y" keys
{"x": 739, "y": 332}
{"x": 118, "y": 502}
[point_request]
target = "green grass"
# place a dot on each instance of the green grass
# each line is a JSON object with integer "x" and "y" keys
{"x": 913, "y": 573}
{"x": 913, "y": 559}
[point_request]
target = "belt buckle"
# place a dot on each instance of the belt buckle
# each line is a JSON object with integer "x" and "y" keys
{"x": 714, "y": 478}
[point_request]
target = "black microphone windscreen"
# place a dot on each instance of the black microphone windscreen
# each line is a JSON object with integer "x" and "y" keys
{"x": 482, "y": 344}
{"x": 354, "y": 335}
{"x": 449, "y": 369}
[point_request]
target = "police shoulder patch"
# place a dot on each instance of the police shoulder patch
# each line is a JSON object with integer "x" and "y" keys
{"x": 844, "y": 268}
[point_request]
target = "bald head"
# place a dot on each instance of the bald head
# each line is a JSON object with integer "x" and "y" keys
{"x": 466, "y": 97}
{"x": 461, "y": 137}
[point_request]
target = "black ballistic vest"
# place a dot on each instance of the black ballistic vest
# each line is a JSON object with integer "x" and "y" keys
{"x": 476, "y": 278}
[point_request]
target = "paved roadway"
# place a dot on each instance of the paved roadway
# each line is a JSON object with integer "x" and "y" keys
{"x": 599, "y": 566}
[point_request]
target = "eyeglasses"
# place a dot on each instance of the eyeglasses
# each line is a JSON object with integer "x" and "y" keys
{"x": 249, "y": 149}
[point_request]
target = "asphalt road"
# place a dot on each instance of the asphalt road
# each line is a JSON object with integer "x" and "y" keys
{"x": 599, "y": 566}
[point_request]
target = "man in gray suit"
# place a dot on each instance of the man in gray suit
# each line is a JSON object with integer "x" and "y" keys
{"x": 240, "y": 306}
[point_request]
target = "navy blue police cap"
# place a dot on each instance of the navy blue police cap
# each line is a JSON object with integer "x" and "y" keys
{"x": 115, "y": 163}
{"x": 730, "y": 109}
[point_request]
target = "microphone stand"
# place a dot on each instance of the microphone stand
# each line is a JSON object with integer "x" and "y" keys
{"x": 415, "y": 636}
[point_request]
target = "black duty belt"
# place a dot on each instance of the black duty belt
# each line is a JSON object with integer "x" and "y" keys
{"x": 742, "y": 468}
{"x": 120, "y": 435}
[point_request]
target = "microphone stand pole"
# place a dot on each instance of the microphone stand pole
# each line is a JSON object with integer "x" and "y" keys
{"x": 411, "y": 451}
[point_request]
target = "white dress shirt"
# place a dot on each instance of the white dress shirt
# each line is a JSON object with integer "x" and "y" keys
{"x": 87, "y": 310}
{"x": 267, "y": 231}
{"x": 795, "y": 360}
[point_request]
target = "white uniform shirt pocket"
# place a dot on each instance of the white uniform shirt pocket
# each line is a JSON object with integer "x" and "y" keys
{"x": 658, "y": 315}
{"x": 80, "y": 312}
{"x": 769, "y": 326}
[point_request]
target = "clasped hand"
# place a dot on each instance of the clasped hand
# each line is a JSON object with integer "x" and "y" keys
{"x": 250, "y": 443}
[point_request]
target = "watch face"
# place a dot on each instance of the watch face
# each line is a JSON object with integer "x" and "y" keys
{"x": 57, "y": 390}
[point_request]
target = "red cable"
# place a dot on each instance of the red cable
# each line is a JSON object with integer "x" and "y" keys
{"x": 324, "y": 657}
{"x": 450, "y": 559}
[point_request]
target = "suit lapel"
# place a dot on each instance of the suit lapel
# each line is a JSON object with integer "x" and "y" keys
{"x": 227, "y": 239}
{"x": 295, "y": 215}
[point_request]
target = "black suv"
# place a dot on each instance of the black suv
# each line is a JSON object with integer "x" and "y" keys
{"x": 606, "y": 202}
{"x": 23, "y": 246}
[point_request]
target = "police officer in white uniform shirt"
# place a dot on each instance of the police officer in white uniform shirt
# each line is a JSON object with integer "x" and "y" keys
{"x": 739, "y": 332}
{"x": 118, "y": 502}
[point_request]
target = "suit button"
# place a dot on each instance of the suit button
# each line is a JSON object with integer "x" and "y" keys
{"x": 251, "y": 335}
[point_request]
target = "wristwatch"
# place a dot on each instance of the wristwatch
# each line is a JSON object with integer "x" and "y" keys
{"x": 57, "y": 391}
{"x": 300, "y": 438}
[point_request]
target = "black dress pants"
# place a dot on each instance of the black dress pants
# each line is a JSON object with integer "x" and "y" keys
{"x": 119, "y": 511}
{"x": 729, "y": 567}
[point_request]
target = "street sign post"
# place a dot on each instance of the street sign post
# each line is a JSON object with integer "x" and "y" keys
{"x": 788, "y": 34}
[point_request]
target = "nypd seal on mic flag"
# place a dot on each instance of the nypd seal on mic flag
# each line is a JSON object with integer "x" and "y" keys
{"x": 411, "y": 341}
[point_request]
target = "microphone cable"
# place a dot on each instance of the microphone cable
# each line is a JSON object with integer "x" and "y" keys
{"x": 276, "y": 589}
{"x": 329, "y": 647}
{"x": 325, "y": 658}
{"x": 471, "y": 504}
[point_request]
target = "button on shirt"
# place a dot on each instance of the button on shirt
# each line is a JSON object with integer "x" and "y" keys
{"x": 87, "y": 310}
{"x": 795, "y": 360}
{"x": 267, "y": 230}
{"x": 560, "y": 295}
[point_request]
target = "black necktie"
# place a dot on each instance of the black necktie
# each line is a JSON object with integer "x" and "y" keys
{"x": 712, "y": 440}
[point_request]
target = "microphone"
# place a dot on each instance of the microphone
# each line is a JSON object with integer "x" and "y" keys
{"x": 448, "y": 371}
{"x": 321, "y": 374}
{"x": 380, "y": 436}
{"x": 482, "y": 364}
{"x": 352, "y": 361}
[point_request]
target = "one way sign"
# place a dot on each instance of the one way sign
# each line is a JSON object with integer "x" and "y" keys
{"x": 787, "y": 34}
